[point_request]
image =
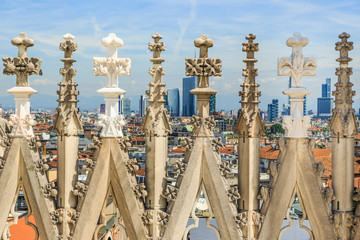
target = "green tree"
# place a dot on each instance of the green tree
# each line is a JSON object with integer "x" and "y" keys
{"x": 277, "y": 128}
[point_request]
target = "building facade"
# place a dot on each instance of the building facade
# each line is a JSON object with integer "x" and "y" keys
{"x": 142, "y": 105}
{"x": 188, "y": 101}
{"x": 273, "y": 110}
{"x": 212, "y": 107}
{"x": 125, "y": 106}
{"x": 324, "y": 104}
{"x": 173, "y": 102}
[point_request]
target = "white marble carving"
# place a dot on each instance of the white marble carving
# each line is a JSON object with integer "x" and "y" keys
{"x": 112, "y": 67}
{"x": 296, "y": 67}
{"x": 22, "y": 67}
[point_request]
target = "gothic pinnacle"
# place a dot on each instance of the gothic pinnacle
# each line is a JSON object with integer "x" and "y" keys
{"x": 296, "y": 66}
{"x": 203, "y": 67}
{"x": 112, "y": 67}
{"x": 249, "y": 123}
{"x": 67, "y": 109}
{"x": 22, "y": 66}
{"x": 156, "y": 110}
{"x": 343, "y": 121}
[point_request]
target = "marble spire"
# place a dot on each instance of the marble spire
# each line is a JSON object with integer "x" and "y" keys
{"x": 67, "y": 109}
{"x": 112, "y": 67}
{"x": 203, "y": 67}
{"x": 22, "y": 66}
{"x": 296, "y": 66}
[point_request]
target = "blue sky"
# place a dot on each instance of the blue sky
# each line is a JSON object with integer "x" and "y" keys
{"x": 180, "y": 22}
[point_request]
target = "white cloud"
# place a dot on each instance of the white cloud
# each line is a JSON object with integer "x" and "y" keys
{"x": 184, "y": 24}
{"x": 268, "y": 80}
{"x": 95, "y": 25}
{"x": 42, "y": 82}
{"x": 227, "y": 86}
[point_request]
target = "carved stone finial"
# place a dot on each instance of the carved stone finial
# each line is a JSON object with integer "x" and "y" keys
{"x": 249, "y": 123}
{"x": 67, "y": 119}
{"x": 156, "y": 47}
{"x": 343, "y": 121}
{"x": 203, "y": 67}
{"x": 22, "y": 42}
{"x": 156, "y": 120}
{"x": 112, "y": 67}
{"x": 296, "y": 66}
{"x": 68, "y": 37}
{"x": 203, "y": 43}
{"x": 22, "y": 66}
{"x": 112, "y": 42}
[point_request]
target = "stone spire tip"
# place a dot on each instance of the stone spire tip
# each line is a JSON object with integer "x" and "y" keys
{"x": 68, "y": 37}
{"x": 297, "y": 40}
{"x": 112, "y": 41}
{"x": 22, "y": 40}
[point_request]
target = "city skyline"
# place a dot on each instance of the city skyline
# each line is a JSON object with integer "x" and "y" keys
{"x": 179, "y": 25}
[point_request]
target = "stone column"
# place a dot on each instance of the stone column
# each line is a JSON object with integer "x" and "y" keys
{"x": 112, "y": 67}
{"x": 67, "y": 126}
{"x": 249, "y": 127}
{"x": 156, "y": 127}
{"x": 203, "y": 67}
{"x": 343, "y": 128}
{"x": 22, "y": 66}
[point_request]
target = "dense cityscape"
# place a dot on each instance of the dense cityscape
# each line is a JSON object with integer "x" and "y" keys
{"x": 181, "y": 118}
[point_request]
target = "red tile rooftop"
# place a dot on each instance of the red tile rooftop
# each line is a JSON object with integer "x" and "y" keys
{"x": 321, "y": 155}
{"x": 22, "y": 231}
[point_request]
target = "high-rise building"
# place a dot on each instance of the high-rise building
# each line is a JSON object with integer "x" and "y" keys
{"x": 188, "y": 101}
{"x": 125, "y": 105}
{"x": 324, "y": 104}
{"x": 121, "y": 105}
{"x": 173, "y": 102}
{"x": 273, "y": 110}
{"x": 142, "y": 105}
{"x": 102, "y": 108}
{"x": 212, "y": 108}
{"x": 286, "y": 109}
{"x": 326, "y": 89}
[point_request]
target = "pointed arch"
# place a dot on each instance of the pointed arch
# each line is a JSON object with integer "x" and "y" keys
{"x": 296, "y": 172}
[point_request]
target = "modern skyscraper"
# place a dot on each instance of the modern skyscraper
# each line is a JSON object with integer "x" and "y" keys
{"x": 125, "y": 102}
{"x": 273, "y": 110}
{"x": 173, "y": 102}
{"x": 324, "y": 104}
{"x": 142, "y": 105}
{"x": 326, "y": 89}
{"x": 188, "y": 103}
{"x": 286, "y": 109}
{"x": 121, "y": 104}
{"x": 212, "y": 107}
{"x": 102, "y": 108}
